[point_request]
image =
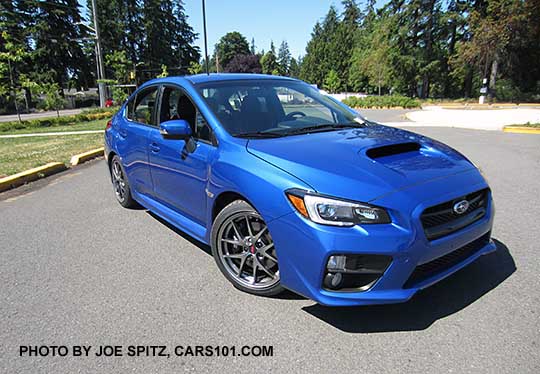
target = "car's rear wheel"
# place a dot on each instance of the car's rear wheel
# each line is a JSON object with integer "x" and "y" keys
{"x": 244, "y": 250}
{"x": 120, "y": 184}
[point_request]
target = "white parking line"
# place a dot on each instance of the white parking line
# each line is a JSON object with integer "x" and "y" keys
{"x": 52, "y": 134}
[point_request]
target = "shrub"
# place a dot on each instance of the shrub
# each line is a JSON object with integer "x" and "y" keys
{"x": 387, "y": 101}
{"x": 57, "y": 121}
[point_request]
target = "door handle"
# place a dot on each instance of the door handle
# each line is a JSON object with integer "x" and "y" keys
{"x": 154, "y": 147}
{"x": 122, "y": 133}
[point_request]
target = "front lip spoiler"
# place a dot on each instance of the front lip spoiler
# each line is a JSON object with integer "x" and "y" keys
{"x": 486, "y": 249}
{"x": 371, "y": 297}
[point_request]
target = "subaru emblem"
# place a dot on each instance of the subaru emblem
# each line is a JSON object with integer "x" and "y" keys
{"x": 461, "y": 206}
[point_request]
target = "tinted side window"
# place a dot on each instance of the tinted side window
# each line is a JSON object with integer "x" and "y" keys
{"x": 175, "y": 104}
{"x": 202, "y": 129}
{"x": 129, "y": 108}
{"x": 145, "y": 105}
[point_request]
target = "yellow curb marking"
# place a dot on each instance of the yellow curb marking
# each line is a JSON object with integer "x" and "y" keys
{"x": 83, "y": 157}
{"x": 522, "y": 130}
{"x": 30, "y": 175}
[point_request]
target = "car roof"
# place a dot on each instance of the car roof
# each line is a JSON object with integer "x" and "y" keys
{"x": 220, "y": 77}
{"x": 214, "y": 77}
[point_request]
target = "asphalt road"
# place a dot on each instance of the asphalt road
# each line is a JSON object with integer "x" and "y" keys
{"x": 77, "y": 269}
{"x": 386, "y": 115}
{"x": 29, "y": 116}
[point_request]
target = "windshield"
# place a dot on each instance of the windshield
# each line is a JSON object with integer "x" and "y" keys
{"x": 270, "y": 108}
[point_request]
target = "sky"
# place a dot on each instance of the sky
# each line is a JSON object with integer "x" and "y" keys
{"x": 264, "y": 20}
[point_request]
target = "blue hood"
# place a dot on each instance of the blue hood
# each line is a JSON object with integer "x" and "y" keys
{"x": 361, "y": 164}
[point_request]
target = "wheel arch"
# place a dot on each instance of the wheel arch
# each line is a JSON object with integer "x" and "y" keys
{"x": 109, "y": 158}
{"x": 224, "y": 199}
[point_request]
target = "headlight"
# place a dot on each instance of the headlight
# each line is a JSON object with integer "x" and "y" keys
{"x": 336, "y": 212}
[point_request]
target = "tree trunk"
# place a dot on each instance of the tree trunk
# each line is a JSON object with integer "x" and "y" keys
{"x": 493, "y": 78}
{"x": 451, "y": 49}
{"x": 467, "y": 84}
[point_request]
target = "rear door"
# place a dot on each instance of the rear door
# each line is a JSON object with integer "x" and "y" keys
{"x": 139, "y": 119}
{"x": 180, "y": 178}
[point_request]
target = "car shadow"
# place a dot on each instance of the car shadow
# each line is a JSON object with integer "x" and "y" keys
{"x": 286, "y": 295}
{"x": 442, "y": 299}
{"x": 204, "y": 247}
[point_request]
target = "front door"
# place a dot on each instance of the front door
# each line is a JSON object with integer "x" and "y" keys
{"x": 179, "y": 177}
{"x": 133, "y": 133}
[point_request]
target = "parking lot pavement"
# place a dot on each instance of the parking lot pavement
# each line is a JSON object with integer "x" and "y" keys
{"x": 386, "y": 115}
{"x": 77, "y": 269}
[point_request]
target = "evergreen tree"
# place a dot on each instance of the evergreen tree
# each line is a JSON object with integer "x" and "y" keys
{"x": 312, "y": 69}
{"x": 269, "y": 61}
{"x": 168, "y": 37}
{"x": 252, "y": 46}
{"x": 332, "y": 82}
{"x": 284, "y": 58}
{"x": 56, "y": 36}
{"x": 294, "y": 68}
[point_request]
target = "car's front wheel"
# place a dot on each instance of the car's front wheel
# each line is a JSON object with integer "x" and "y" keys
{"x": 244, "y": 250}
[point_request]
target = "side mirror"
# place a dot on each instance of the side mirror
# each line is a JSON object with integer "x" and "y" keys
{"x": 175, "y": 129}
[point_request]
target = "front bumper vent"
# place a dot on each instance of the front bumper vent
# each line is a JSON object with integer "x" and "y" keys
{"x": 443, "y": 263}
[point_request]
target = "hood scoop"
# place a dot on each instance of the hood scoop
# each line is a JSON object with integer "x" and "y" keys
{"x": 392, "y": 149}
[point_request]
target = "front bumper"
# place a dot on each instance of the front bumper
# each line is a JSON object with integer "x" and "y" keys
{"x": 303, "y": 247}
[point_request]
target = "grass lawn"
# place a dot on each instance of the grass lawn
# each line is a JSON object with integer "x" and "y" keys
{"x": 533, "y": 125}
{"x": 91, "y": 125}
{"x": 18, "y": 154}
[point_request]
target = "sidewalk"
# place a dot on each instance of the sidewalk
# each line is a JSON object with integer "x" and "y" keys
{"x": 483, "y": 119}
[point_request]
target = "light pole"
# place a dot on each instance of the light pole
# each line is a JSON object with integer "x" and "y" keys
{"x": 205, "y": 43}
{"x": 99, "y": 57}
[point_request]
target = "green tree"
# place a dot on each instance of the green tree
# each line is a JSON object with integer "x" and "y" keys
{"x": 371, "y": 59}
{"x": 168, "y": 38}
{"x": 195, "y": 68}
{"x": 12, "y": 55}
{"x": 269, "y": 61}
{"x": 330, "y": 47}
{"x": 294, "y": 68}
{"x": 52, "y": 97}
{"x": 56, "y": 35}
{"x": 164, "y": 72}
{"x": 493, "y": 29}
{"x": 284, "y": 58}
{"x": 230, "y": 45}
{"x": 332, "y": 82}
{"x": 120, "y": 65}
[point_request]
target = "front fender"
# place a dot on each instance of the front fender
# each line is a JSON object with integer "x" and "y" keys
{"x": 261, "y": 184}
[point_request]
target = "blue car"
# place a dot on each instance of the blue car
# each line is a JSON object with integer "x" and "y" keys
{"x": 294, "y": 190}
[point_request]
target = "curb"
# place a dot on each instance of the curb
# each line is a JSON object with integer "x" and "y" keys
{"x": 521, "y": 130}
{"x": 83, "y": 157}
{"x": 30, "y": 175}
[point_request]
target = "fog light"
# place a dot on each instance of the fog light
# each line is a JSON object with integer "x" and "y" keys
{"x": 333, "y": 281}
{"x": 336, "y": 263}
{"x": 354, "y": 272}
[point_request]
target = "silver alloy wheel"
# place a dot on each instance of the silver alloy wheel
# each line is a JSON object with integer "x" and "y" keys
{"x": 118, "y": 180}
{"x": 247, "y": 251}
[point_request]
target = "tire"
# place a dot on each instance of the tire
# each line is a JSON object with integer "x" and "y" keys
{"x": 120, "y": 183}
{"x": 245, "y": 254}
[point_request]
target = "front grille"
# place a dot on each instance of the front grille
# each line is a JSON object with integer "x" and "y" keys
{"x": 445, "y": 262}
{"x": 441, "y": 220}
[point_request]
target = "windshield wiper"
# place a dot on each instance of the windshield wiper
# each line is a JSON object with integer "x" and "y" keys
{"x": 258, "y": 134}
{"x": 325, "y": 127}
